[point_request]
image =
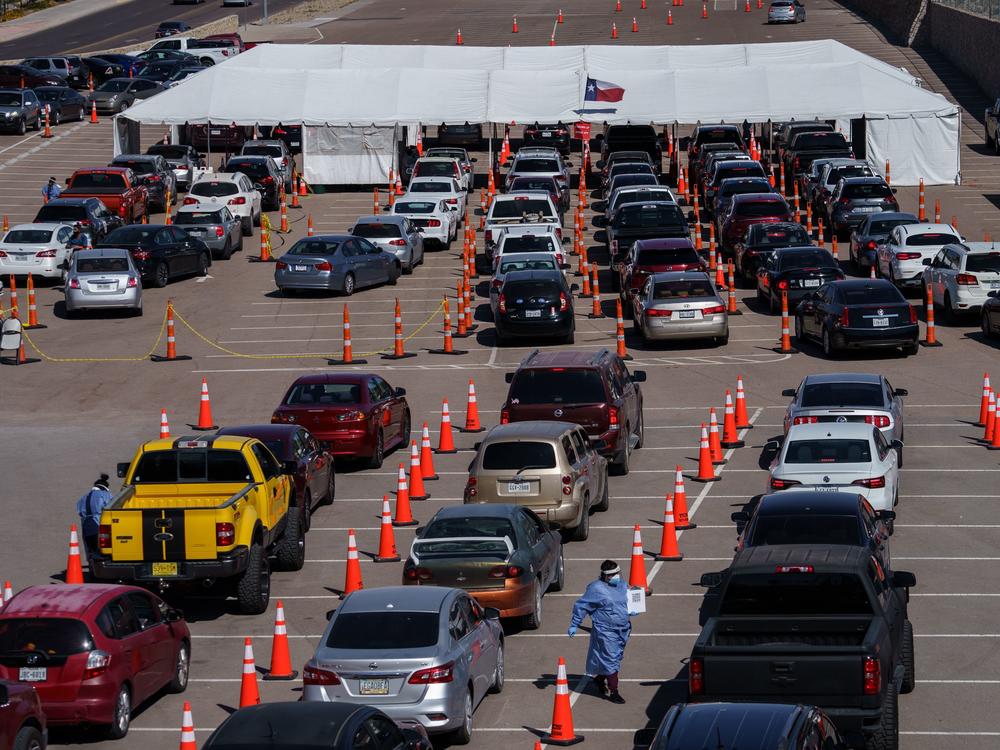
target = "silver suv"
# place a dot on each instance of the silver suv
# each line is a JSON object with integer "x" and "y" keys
{"x": 395, "y": 234}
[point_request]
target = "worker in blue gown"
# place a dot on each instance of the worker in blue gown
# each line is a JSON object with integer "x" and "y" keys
{"x": 606, "y": 601}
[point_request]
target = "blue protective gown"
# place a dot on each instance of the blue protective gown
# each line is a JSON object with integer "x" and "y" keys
{"x": 608, "y": 609}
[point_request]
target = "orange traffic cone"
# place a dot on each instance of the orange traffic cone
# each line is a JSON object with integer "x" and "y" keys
{"x": 93, "y": 113}
{"x": 620, "y": 331}
{"x": 458, "y": 38}
{"x": 309, "y": 226}
{"x": 417, "y": 491}
{"x": 742, "y": 420}
{"x": 172, "y": 355}
{"x": 348, "y": 348}
{"x": 669, "y": 551}
{"x": 249, "y": 692}
{"x": 446, "y": 442}
{"x": 618, "y": 6}
{"x": 991, "y": 418}
{"x": 426, "y": 456}
{"x": 472, "y": 411}
{"x": 635, "y": 25}
{"x": 931, "y": 339}
{"x": 984, "y": 404}
{"x": 205, "y": 410}
{"x": 8, "y": 592}
{"x": 187, "y": 729}
{"x": 785, "y": 342}
{"x": 74, "y": 570}
{"x": 704, "y": 10}
{"x": 994, "y": 443}
{"x": 730, "y": 438}
{"x": 559, "y": 18}
{"x": 164, "y": 425}
{"x": 714, "y": 444}
{"x": 281, "y": 659}
{"x": 404, "y": 515}
{"x": 561, "y": 733}
{"x": 670, "y": 18}
{"x": 683, "y": 521}
{"x": 304, "y": 188}
{"x": 397, "y": 337}
{"x": 614, "y": 30}
{"x": 387, "y": 539}
{"x": 352, "y": 575}
{"x": 514, "y": 27}
{"x": 705, "y": 471}
{"x": 637, "y": 567}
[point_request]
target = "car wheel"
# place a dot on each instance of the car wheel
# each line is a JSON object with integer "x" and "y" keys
{"x": 306, "y": 511}
{"x": 137, "y": 311}
{"x": 227, "y": 251}
{"x": 984, "y": 324}
{"x": 349, "y": 285}
{"x": 799, "y": 337}
{"x": 331, "y": 489}
{"x": 122, "y": 107}
{"x": 463, "y": 735}
{"x": 911, "y": 349}
{"x": 950, "y": 313}
{"x": 202, "y": 265}
{"x": 408, "y": 269}
{"x": 404, "y": 430}
{"x": 182, "y": 670}
{"x": 570, "y": 338}
{"x": 56, "y": 118}
{"x": 291, "y": 550}
{"x": 722, "y": 340}
{"x": 908, "y": 659}
{"x": 829, "y": 350}
{"x": 122, "y": 715}
{"x": 498, "y": 675}
{"x": 378, "y": 455}
{"x": 161, "y": 275}
{"x": 559, "y": 581}
{"x": 22, "y": 128}
{"x": 79, "y": 115}
{"x": 772, "y": 304}
{"x": 28, "y": 738}
{"x": 533, "y": 621}
{"x": 886, "y": 735}
{"x": 256, "y": 219}
{"x": 395, "y": 274}
{"x": 253, "y": 591}
{"x": 582, "y": 531}
{"x": 605, "y": 502}
{"x": 620, "y": 467}
{"x": 246, "y": 226}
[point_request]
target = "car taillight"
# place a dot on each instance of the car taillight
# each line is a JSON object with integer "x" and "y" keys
{"x": 563, "y": 302}
{"x": 281, "y": 265}
{"x": 655, "y": 313}
{"x": 452, "y": 201}
{"x": 83, "y": 223}
{"x": 907, "y": 256}
{"x": 153, "y": 178}
{"x": 696, "y": 675}
{"x": 417, "y": 574}
{"x": 505, "y": 571}
{"x": 324, "y": 265}
{"x": 567, "y": 484}
{"x": 314, "y": 675}
{"x": 239, "y": 201}
{"x": 805, "y": 420}
{"x": 559, "y": 259}
{"x": 133, "y": 282}
{"x": 141, "y": 254}
{"x": 965, "y": 279}
{"x": 714, "y": 310}
{"x": 284, "y": 161}
{"x": 503, "y": 303}
{"x": 74, "y": 283}
{"x": 794, "y": 569}
{"x": 433, "y": 675}
{"x": 97, "y": 664}
{"x": 3, "y": 254}
{"x": 872, "y": 671}
{"x": 433, "y": 222}
{"x": 489, "y": 235}
{"x": 104, "y": 536}
{"x": 52, "y": 254}
{"x": 267, "y": 180}
{"x": 873, "y": 483}
{"x": 225, "y": 534}
{"x": 613, "y": 418}
{"x": 471, "y": 485}
{"x": 913, "y": 315}
{"x": 190, "y": 201}
{"x": 219, "y": 232}
{"x": 845, "y": 318}
{"x": 496, "y": 283}
{"x": 397, "y": 243}
{"x": 354, "y": 415}
{"x": 783, "y": 484}
{"x": 783, "y": 284}
{"x": 879, "y": 420}
{"x": 505, "y": 416}
{"x": 871, "y": 245}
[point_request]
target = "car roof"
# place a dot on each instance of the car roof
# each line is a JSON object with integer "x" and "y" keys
{"x": 888, "y": 215}
{"x": 220, "y": 442}
{"x": 804, "y": 501}
{"x": 927, "y": 228}
{"x": 764, "y": 559}
{"x": 832, "y": 430}
{"x": 724, "y": 163}
{"x": 288, "y": 723}
{"x": 62, "y": 600}
{"x": 101, "y": 252}
{"x": 523, "y": 256}
{"x": 382, "y": 219}
{"x": 479, "y": 510}
{"x": 47, "y": 225}
{"x": 758, "y": 198}
{"x": 855, "y": 284}
{"x": 554, "y": 275}
{"x": 249, "y": 159}
{"x": 747, "y": 726}
{"x": 680, "y": 276}
{"x": 666, "y": 243}
{"x": 199, "y": 206}
{"x": 348, "y": 378}
{"x": 842, "y": 377}
{"x": 771, "y": 226}
{"x": 400, "y": 598}
{"x": 792, "y": 250}
{"x": 976, "y": 248}
{"x": 135, "y": 157}
{"x": 875, "y": 180}
{"x": 435, "y": 159}
{"x": 564, "y": 358}
{"x": 536, "y": 428}
{"x": 220, "y": 177}
{"x": 264, "y": 142}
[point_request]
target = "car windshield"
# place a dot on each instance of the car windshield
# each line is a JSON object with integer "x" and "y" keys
{"x": 10, "y": 100}
{"x": 649, "y": 215}
{"x": 532, "y": 183}
{"x": 716, "y": 135}
{"x": 431, "y": 187}
{"x": 806, "y": 259}
{"x": 628, "y": 180}
{"x": 99, "y": 181}
{"x": 536, "y": 165}
{"x": 448, "y": 153}
{"x": 377, "y": 231}
{"x": 805, "y": 529}
{"x": 52, "y": 636}
{"x": 828, "y": 451}
{"x": 212, "y": 189}
{"x": 884, "y": 226}
{"x": 983, "y": 262}
{"x": 685, "y": 289}
{"x": 662, "y": 257}
{"x": 324, "y": 393}
{"x": 435, "y": 169}
{"x": 820, "y": 140}
{"x": 541, "y": 264}
{"x": 61, "y": 213}
{"x": 47, "y": 95}
{"x": 761, "y": 209}
{"x": 867, "y": 190}
{"x": 139, "y": 167}
{"x": 520, "y": 206}
{"x": 169, "y": 152}
{"x": 782, "y": 237}
{"x": 882, "y": 294}
{"x": 514, "y": 456}
{"x": 383, "y": 631}
{"x": 116, "y": 85}
{"x": 930, "y": 239}
{"x": 315, "y": 247}
{"x": 197, "y": 465}
{"x": 528, "y": 243}
{"x": 638, "y": 167}
{"x": 101, "y": 265}
{"x": 415, "y": 207}
{"x": 28, "y": 236}
{"x": 793, "y": 594}
{"x": 865, "y": 395}
{"x": 557, "y": 386}
{"x": 642, "y": 196}
{"x": 199, "y": 217}
{"x": 249, "y": 150}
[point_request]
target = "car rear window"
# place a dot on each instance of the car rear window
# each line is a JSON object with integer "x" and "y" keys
{"x": 930, "y": 239}
{"x": 716, "y": 135}
{"x": 274, "y": 151}
{"x": 415, "y": 207}
{"x": 983, "y": 262}
{"x": 431, "y": 187}
{"x": 557, "y": 386}
{"x": 434, "y": 169}
{"x": 537, "y": 165}
{"x": 868, "y": 395}
{"x": 858, "y": 170}
{"x": 810, "y": 259}
{"x": 532, "y": 183}
{"x": 315, "y": 247}
{"x": 115, "y": 85}
{"x": 324, "y": 393}
{"x": 28, "y": 236}
{"x": 520, "y": 206}
{"x": 663, "y": 256}
{"x": 377, "y": 231}
{"x": 761, "y": 209}
{"x": 649, "y": 215}
{"x": 642, "y": 196}
{"x": 805, "y": 529}
{"x": 99, "y": 181}
{"x": 52, "y": 636}
{"x": 518, "y": 289}
{"x": 213, "y": 189}
{"x": 631, "y": 167}
{"x": 169, "y": 152}
{"x": 628, "y": 180}
{"x": 101, "y": 265}
{"x": 745, "y": 169}
{"x": 539, "y": 264}
{"x": 782, "y": 237}
{"x": 470, "y": 525}
{"x": 61, "y": 213}
{"x": 887, "y": 225}
{"x": 674, "y": 290}
{"x": 191, "y": 466}
{"x": 822, "y": 594}
{"x": 518, "y": 455}
{"x": 529, "y": 243}
{"x": 249, "y": 168}
{"x": 883, "y": 294}
{"x": 828, "y": 451}
{"x": 383, "y": 631}
{"x": 199, "y": 217}
{"x": 866, "y": 191}
{"x": 820, "y": 140}
{"x": 740, "y": 187}
{"x": 139, "y": 167}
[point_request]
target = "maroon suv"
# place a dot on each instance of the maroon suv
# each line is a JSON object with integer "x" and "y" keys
{"x": 94, "y": 652}
{"x": 748, "y": 209}
{"x": 592, "y": 389}
{"x": 654, "y": 256}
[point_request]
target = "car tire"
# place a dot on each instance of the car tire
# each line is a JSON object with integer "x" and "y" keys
{"x": 570, "y": 338}
{"x": 331, "y": 489}
{"x": 28, "y": 738}
{"x": 605, "y": 502}
{"x": 799, "y": 336}
{"x": 498, "y": 673}
{"x": 907, "y": 656}
{"x": 22, "y": 128}
{"x": 378, "y": 455}
{"x": 950, "y": 313}
{"x": 182, "y": 670}
{"x": 122, "y": 716}
{"x": 161, "y": 275}
{"x": 829, "y": 350}
{"x": 582, "y": 529}
{"x": 290, "y": 552}
{"x": 559, "y": 582}
{"x": 203, "y": 262}
{"x": 305, "y": 511}
{"x": 122, "y": 107}
{"x": 407, "y": 270}
{"x": 641, "y": 431}
{"x": 246, "y": 226}
{"x": 348, "y": 285}
{"x": 984, "y": 325}
{"x": 56, "y": 118}
{"x": 463, "y": 735}
{"x": 533, "y": 621}
{"x": 620, "y": 466}
{"x": 886, "y": 736}
{"x": 227, "y": 251}
{"x": 404, "y": 430}
{"x": 394, "y": 277}
{"x": 253, "y": 590}
{"x": 136, "y": 312}
{"x": 910, "y": 349}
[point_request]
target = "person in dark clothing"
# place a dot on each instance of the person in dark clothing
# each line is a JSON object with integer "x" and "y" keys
{"x": 89, "y": 507}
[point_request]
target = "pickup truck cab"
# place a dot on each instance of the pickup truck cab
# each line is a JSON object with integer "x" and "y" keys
{"x": 819, "y": 624}
{"x": 117, "y": 187}
{"x": 206, "y": 508}
{"x": 206, "y": 51}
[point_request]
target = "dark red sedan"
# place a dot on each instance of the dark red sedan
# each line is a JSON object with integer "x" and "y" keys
{"x": 356, "y": 415}
{"x": 22, "y": 721}
{"x": 314, "y": 476}
{"x": 748, "y": 209}
{"x": 94, "y": 652}
{"x": 653, "y": 256}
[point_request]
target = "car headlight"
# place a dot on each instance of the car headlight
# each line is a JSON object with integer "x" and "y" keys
{"x": 112, "y": 98}
{"x": 11, "y": 115}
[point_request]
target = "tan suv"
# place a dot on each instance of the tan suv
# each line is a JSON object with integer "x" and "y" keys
{"x": 549, "y": 467}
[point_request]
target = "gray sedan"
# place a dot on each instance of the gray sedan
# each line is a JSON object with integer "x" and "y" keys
{"x": 118, "y": 94}
{"x": 104, "y": 278}
{"x": 680, "y": 305}
{"x": 394, "y": 234}
{"x": 19, "y": 110}
{"x": 335, "y": 263}
{"x": 424, "y": 653}
{"x": 214, "y": 225}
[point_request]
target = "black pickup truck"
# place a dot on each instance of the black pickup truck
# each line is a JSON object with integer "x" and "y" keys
{"x": 810, "y": 145}
{"x": 632, "y": 138}
{"x": 819, "y": 624}
{"x": 642, "y": 221}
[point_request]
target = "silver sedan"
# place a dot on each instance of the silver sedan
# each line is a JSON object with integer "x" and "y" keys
{"x": 394, "y": 234}
{"x": 214, "y": 225}
{"x": 334, "y": 263}
{"x": 680, "y": 305}
{"x": 423, "y": 653}
{"x": 104, "y": 278}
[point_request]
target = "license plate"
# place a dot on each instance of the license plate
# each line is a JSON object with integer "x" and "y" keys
{"x": 880, "y": 322}
{"x": 300, "y": 268}
{"x": 518, "y": 488}
{"x": 165, "y": 569}
{"x": 868, "y": 209}
{"x": 994, "y": 285}
{"x": 374, "y": 687}
{"x": 216, "y": 132}
{"x": 685, "y": 314}
{"x": 33, "y": 674}
{"x": 532, "y": 313}
{"x": 546, "y": 135}
{"x": 826, "y": 488}
{"x": 810, "y": 282}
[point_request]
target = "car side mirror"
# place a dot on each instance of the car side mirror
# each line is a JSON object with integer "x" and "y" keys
{"x": 599, "y": 445}
{"x": 289, "y": 467}
{"x": 638, "y": 376}
{"x": 897, "y": 445}
{"x": 900, "y": 392}
{"x": 925, "y": 262}
{"x": 893, "y": 190}
{"x": 739, "y": 516}
{"x": 885, "y": 515}
{"x": 419, "y": 530}
{"x": 903, "y": 579}
{"x": 508, "y": 377}
{"x": 994, "y": 294}
{"x": 173, "y": 615}
{"x": 574, "y": 287}
{"x": 330, "y": 613}
{"x": 400, "y": 391}
{"x": 123, "y": 469}
{"x": 473, "y": 159}
{"x": 475, "y": 445}
{"x": 492, "y": 613}
{"x": 599, "y": 164}
{"x": 788, "y": 393}
{"x": 710, "y": 580}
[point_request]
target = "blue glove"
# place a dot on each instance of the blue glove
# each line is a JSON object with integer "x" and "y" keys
{"x": 572, "y": 631}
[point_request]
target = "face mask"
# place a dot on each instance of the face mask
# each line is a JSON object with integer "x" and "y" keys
{"x": 614, "y": 580}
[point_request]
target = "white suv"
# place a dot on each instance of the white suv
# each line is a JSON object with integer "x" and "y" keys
{"x": 231, "y": 189}
{"x": 519, "y": 208}
{"x": 961, "y": 276}
{"x": 901, "y": 258}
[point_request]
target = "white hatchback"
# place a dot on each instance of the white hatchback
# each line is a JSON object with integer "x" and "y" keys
{"x": 901, "y": 258}
{"x": 961, "y": 276}
{"x": 231, "y": 189}
{"x": 437, "y": 220}
{"x": 36, "y": 249}
{"x": 838, "y": 457}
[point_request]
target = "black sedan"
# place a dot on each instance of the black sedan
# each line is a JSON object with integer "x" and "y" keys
{"x": 990, "y": 317}
{"x": 858, "y": 313}
{"x": 873, "y": 231}
{"x": 533, "y": 304}
{"x": 170, "y": 28}
{"x": 555, "y": 135}
{"x": 161, "y": 252}
{"x": 810, "y": 517}
{"x": 64, "y": 104}
{"x": 314, "y": 724}
{"x": 759, "y": 243}
{"x": 313, "y": 475}
{"x": 797, "y": 271}
{"x": 101, "y": 69}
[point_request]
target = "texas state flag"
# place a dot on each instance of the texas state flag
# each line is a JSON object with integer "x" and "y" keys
{"x": 602, "y": 91}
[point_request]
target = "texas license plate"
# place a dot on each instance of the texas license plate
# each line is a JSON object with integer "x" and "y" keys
{"x": 826, "y": 488}
{"x": 880, "y": 322}
{"x": 995, "y": 285}
{"x": 810, "y": 282}
{"x": 33, "y": 674}
{"x": 532, "y": 313}
{"x": 374, "y": 687}
{"x": 300, "y": 268}
{"x": 518, "y": 488}
{"x": 164, "y": 569}
{"x": 686, "y": 314}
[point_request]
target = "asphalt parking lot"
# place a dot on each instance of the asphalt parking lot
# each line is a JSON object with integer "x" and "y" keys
{"x": 95, "y": 396}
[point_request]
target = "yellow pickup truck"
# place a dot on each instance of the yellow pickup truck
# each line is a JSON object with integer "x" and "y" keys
{"x": 206, "y": 508}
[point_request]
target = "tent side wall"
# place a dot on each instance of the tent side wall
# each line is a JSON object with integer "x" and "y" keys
{"x": 917, "y": 147}
{"x": 347, "y": 155}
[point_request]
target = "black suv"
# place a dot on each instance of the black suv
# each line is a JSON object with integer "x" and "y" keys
{"x": 632, "y": 138}
{"x": 264, "y": 175}
{"x": 90, "y": 214}
{"x": 593, "y": 389}
{"x": 533, "y": 304}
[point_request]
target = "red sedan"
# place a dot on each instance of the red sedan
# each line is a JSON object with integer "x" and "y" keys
{"x": 93, "y": 652}
{"x": 653, "y": 256}
{"x": 356, "y": 415}
{"x": 749, "y": 209}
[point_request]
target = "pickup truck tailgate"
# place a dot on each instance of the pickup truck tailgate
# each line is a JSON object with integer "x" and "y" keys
{"x": 162, "y": 534}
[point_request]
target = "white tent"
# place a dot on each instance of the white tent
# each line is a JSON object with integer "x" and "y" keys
{"x": 380, "y": 87}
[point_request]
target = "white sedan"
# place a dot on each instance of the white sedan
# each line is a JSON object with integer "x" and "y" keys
{"x": 839, "y": 457}
{"x": 437, "y": 219}
{"x": 38, "y": 249}
{"x": 446, "y": 189}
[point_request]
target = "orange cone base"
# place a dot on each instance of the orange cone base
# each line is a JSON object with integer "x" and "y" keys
{"x": 737, "y": 311}
{"x": 671, "y": 558}
{"x": 696, "y": 478}
{"x": 737, "y": 444}
{"x": 789, "y": 350}
{"x": 462, "y": 429}
{"x": 258, "y": 259}
{"x": 203, "y": 429}
{"x": 397, "y": 524}
{"x": 404, "y": 355}
{"x": 453, "y": 352}
{"x": 689, "y": 525}
{"x": 342, "y": 362}
{"x": 290, "y": 676}
{"x": 923, "y": 342}
{"x": 420, "y": 497}
{"x": 16, "y": 360}
{"x": 176, "y": 358}
{"x": 440, "y": 452}
{"x": 592, "y": 316}
{"x": 33, "y": 328}
{"x": 468, "y": 332}
{"x": 395, "y": 558}
{"x": 548, "y": 739}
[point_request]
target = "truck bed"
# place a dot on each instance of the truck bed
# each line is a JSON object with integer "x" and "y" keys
{"x": 179, "y": 496}
{"x": 820, "y": 632}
